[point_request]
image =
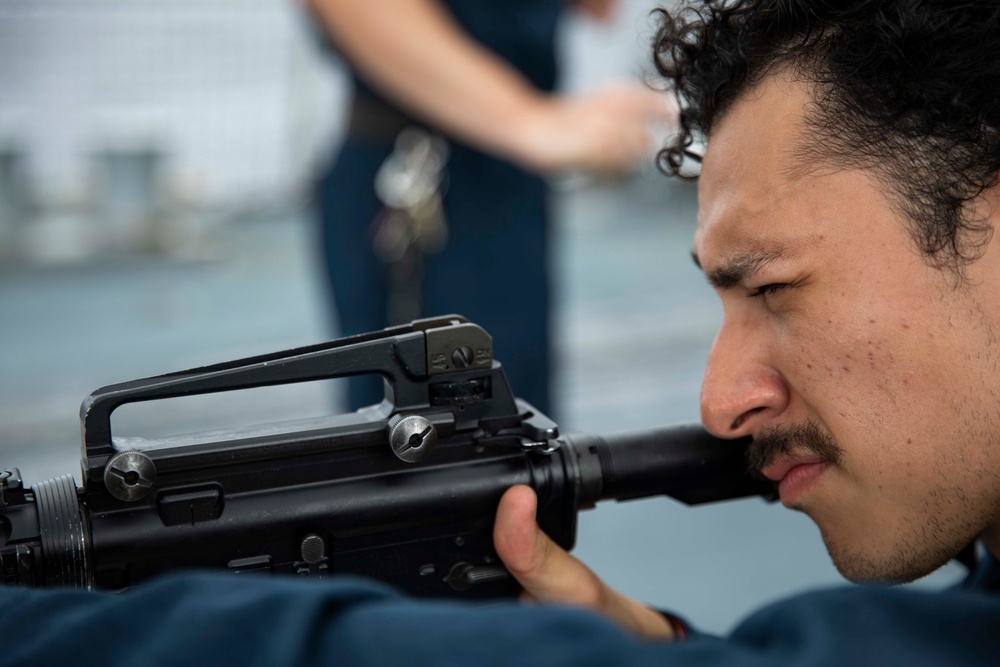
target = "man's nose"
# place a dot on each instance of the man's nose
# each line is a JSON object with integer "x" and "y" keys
{"x": 742, "y": 391}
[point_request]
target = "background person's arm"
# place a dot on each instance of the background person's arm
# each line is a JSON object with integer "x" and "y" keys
{"x": 414, "y": 53}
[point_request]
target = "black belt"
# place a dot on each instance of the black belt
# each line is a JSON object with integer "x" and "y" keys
{"x": 371, "y": 117}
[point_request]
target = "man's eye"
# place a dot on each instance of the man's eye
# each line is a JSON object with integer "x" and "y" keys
{"x": 771, "y": 288}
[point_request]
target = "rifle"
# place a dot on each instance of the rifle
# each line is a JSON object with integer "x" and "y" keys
{"x": 404, "y": 491}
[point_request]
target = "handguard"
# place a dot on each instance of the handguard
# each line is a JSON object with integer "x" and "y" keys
{"x": 404, "y": 491}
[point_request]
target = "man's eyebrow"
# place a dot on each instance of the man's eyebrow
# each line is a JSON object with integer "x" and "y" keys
{"x": 739, "y": 268}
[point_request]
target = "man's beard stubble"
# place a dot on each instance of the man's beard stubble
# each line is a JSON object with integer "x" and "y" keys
{"x": 907, "y": 561}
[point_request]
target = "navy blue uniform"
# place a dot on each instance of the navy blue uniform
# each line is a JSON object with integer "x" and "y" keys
{"x": 494, "y": 269}
{"x": 226, "y": 619}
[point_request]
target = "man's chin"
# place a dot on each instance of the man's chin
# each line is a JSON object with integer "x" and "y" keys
{"x": 901, "y": 565}
{"x": 871, "y": 573}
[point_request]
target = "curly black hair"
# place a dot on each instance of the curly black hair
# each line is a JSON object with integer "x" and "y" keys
{"x": 909, "y": 89}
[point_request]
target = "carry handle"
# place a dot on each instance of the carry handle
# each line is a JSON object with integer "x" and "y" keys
{"x": 406, "y": 356}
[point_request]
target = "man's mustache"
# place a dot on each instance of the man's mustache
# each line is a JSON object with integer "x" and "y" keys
{"x": 774, "y": 442}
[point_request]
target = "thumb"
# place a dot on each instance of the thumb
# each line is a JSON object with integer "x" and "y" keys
{"x": 549, "y": 574}
{"x": 546, "y": 571}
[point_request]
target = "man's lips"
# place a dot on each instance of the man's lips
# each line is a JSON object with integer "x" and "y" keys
{"x": 794, "y": 475}
{"x": 778, "y": 468}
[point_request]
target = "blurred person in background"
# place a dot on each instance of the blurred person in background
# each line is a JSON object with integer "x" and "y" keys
{"x": 436, "y": 202}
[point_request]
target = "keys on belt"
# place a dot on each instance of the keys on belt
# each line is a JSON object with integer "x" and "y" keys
{"x": 410, "y": 184}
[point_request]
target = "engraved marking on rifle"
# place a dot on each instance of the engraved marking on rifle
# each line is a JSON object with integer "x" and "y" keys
{"x": 439, "y": 362}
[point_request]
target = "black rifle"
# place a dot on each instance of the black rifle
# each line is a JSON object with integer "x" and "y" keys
{"x": 404, "y": 491}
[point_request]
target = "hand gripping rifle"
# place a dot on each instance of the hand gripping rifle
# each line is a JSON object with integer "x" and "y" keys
{"x": 404, "y": 491}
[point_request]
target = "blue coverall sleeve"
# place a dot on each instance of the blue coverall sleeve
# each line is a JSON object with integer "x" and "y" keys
{"x": 208, "y": 619}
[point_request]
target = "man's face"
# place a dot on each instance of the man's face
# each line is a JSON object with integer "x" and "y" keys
{"x": 876, "y": 372}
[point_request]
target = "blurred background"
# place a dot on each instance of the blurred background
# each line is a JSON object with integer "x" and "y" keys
{"x": 156, "y": 161}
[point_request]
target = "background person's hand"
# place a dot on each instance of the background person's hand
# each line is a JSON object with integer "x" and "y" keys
{"x": 608, "y": 131}
{"x": 596, "y": 10}
{"x": 414, "y": 53}
{"x": 549, "y": 574}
